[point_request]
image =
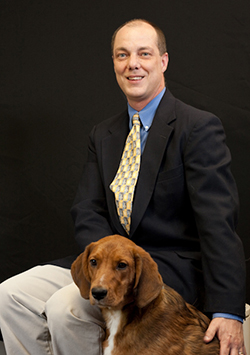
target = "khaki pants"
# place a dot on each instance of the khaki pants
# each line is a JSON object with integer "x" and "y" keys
{"x": 42, "y": 312}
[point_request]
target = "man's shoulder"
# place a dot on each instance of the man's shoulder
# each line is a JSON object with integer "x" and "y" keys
{"x": 187, "y": 109}
{"x": 176, "y": 110}
{"x": 115, "y": 123}
{"x": 182, "y": 108}
{"x": 113, "y": 120}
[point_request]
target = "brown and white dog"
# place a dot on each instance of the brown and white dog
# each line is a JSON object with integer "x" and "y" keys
{"x": 143, "y": 316}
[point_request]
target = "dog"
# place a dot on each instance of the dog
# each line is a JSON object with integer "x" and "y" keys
{"x": 143, "y": 315}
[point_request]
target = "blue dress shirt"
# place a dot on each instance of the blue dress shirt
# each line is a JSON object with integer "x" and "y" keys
{"x": 146, "y": 117}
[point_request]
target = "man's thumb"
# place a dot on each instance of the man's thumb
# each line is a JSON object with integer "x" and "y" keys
{"x": 210, "y": 333}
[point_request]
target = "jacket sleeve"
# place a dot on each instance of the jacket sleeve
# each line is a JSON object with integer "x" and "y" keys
{"x": 214, "y": 199}
{"x": 89, "y": 209}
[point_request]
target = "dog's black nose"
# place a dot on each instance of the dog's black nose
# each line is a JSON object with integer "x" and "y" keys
{"x": 99, "y": 293}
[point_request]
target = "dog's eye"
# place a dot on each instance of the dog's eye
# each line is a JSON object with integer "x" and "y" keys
{"x": 93, "y": 262}
{"x": 122, "y": 265}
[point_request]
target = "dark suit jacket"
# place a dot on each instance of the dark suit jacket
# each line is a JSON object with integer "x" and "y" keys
{"x": 185, "y": 206}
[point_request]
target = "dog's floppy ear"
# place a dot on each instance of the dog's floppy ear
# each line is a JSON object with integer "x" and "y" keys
{"x": 148, "y": 281}
{"x": 80, "y": 272}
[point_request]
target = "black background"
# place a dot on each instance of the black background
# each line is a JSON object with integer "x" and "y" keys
{"x": 57, "y": 81}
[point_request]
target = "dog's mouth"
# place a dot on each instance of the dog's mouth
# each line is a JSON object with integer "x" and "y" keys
{"x": 102, "y": 304}
{"x": 106, "y": 303}
{"x": 103, "y": 299}
{"x": 99, "y": 303}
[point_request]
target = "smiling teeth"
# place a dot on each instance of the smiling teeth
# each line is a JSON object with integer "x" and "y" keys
{"x": 135, "y": 78}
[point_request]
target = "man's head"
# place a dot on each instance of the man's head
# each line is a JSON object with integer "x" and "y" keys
{"x": 161, "y": 40}
{"x": 140, "y": 60}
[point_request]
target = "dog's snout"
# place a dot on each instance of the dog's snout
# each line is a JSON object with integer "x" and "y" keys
{"x": 99, "y": 293}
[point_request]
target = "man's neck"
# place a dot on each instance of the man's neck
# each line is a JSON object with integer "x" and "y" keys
{"x": 138, "y": 104}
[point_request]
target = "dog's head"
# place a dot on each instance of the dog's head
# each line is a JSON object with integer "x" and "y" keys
{"x": 113, "y": 272}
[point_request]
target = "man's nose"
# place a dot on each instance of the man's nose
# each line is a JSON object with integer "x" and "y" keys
{"x": 133, "y": 62}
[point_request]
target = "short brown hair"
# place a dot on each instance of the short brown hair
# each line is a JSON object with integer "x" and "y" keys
{"x": 160, "y": 35}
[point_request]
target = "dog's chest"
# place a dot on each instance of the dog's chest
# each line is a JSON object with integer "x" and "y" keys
{"x": 113, "y": 319}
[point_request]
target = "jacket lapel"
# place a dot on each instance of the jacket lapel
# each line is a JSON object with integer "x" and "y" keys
{"x": 112, "y": 148}
{"x": 157, "y": 140}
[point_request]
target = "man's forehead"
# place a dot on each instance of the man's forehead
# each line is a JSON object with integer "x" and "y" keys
{"x": 139, "y": 27}
{"x": 143, "y": 34}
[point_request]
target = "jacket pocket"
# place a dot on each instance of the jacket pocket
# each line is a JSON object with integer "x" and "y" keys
{"x": 171, "y": 173}
{"x": 188, "y": 254}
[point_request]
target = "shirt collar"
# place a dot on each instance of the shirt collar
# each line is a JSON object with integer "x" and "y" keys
{"x": 147, "y": 113}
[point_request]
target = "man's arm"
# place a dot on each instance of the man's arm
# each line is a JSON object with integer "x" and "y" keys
{"x": 89, "y": 210}
{"x": 214, "y": 199}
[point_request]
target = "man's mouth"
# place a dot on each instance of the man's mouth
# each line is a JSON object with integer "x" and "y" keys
{"x": 135, "y": 78}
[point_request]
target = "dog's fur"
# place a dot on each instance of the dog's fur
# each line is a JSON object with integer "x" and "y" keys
{"x": 143, "y": 316}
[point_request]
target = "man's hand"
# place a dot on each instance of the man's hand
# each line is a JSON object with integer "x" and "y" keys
{"x": 230, "y": 335}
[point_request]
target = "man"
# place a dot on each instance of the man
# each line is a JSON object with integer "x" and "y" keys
{"x": 184, "y": 212}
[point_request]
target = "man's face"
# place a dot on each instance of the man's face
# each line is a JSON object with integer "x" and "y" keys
{"x": 138, "y": 65}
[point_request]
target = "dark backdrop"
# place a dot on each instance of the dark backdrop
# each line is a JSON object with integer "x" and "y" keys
{"x": 57, "y": 81}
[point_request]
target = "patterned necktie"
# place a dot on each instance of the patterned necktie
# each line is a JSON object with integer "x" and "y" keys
{"x": 126, "y": 177}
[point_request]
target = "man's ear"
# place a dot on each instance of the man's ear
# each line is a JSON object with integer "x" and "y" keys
{"x": 164, "y": 61}
{"x": 80, "y": 272}
{"x": 148, "y": 281}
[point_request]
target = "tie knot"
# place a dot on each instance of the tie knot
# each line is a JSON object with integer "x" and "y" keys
{"x": 136, "y": 119}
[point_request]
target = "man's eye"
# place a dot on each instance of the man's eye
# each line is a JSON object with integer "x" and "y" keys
{"x": 145, "y": 54}
{"x": 121, "y": 55}
{"x": 121, "y": 265}
{"x": 93, "y": 262}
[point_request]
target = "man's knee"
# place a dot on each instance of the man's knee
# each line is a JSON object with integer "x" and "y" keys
{"x": 27, "y": 291}
{"x": 7, "y": 289}
{"x": 67, "y": 306}
{"x": 4, "y": 298}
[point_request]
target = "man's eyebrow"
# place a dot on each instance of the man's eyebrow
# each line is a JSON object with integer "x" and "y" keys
{"x": 120, "y": 49}
{"x": 145, "y": 48}
{"x": 140, "y": 49}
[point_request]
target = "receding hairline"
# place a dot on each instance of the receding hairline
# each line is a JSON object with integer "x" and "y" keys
{"x": 161, "y": 40}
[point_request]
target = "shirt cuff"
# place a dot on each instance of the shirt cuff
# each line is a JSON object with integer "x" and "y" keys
{"x": 228, "y": 316}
